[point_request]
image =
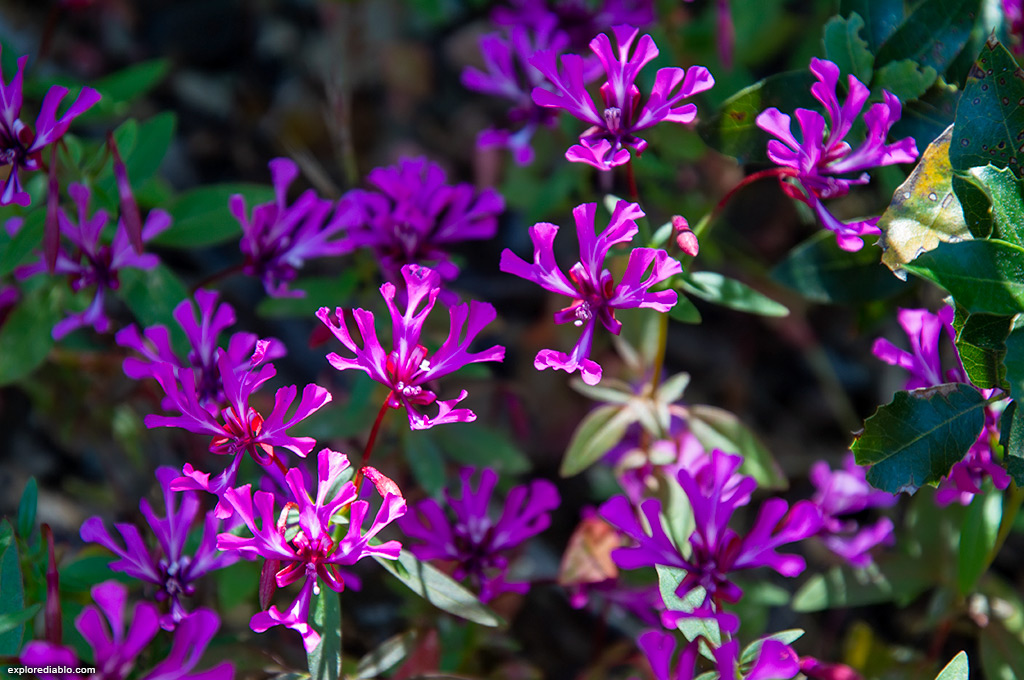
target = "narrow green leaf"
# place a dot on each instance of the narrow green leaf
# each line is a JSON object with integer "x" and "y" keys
{"x": 14, "y": 620}
{"x": 201, "y": 216}
{"x": 597, "y": 433}
{"x": 981, "y": 344}
{"x": 932, "y": 35}
{"x": 786, "y": 637}
{"x": 12, "y": 590}
{"x": 981, "y": 275}
{"x": 131, "y": 82}
{"x": 26, "y": 336}
{"x": 669, "y": 579}
{"x": 439, "y": 589}
{"x": 989, "y": 123}
{"x": 325, "y": 618}
{"x": 684, "y": 311}
{"x": 823, "y": 272}
{"x": 906, "y": 79}
{"x": 722, "y": 290}
{"x": 846, "y": 48}
{"x": 916, "y": 438}
{"x": 957, "y": 669}
{"x": 977, "y": 538}
{"x": 27, "y": 509}
{"x": 717, "y": 428}
{"x": 387, "y": 655}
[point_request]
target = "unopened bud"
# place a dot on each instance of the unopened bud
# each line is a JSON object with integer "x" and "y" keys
{"x": 129, "y": 208}
{"x": 685, "y": 237}
{"x": 268, "y": 581}
{"x": 385, "y": 485}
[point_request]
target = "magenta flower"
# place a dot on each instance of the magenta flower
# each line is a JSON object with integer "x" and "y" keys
{"x": 817, "y": 162}
{"x": 578, "y": 20}
{"x": 279, "y": 238}
{"x": 478, "y": 545}
{"x": 311, "y": 554}
{"x": 20, "y": 147}
{"x": 1014, "y": 13}
{"x": 202, "y": 332}
{"x": 840, "y": 495}
{"x": 714, "y": 491}
{"x": 408, "y": 370}
{"x": 172, "y": 571}
{"x": 966, "y": 476}
{"x": 92, "y": 264}
{"x": 775, "y": 660}
{"x": 116, "y": 650}
{"x": 615, "y": 125}
{"x": 591, "y": 286}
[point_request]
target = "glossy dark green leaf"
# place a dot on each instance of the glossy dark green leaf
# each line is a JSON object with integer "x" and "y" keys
{"x": 977, "y": 538}
{"x": 917, "y": 437}
{"x": 981, "y": 344}
{"x": 823, "y": 272}
{"x": 989, "y": 124}
{"x": 320, "y": 291}
{"x": 981, "y": 275}
{"x": 387, "y": 655}
{"x": 722, "y": 290}
{"x": 26, "y": 336}
{"x": 926, "y": 117}
{"x": 27, "y": 509}
{"x": 881, "y": 17}
{"x": 932, "y": 35}
{"x": 480, "y": 445}
{"x": 325, "y": 618}
{"x": 732, "y": 129}
{"x": 201, "y": 216}
{"x": 439, "y": 589}
{"x": 669, "y": 579}
{"x": 1014, "y": 363}
{"x": 716, "y": 428}
{"x": 957, "y": 669}
{"x": 1011, "y": 437}
{"x": 906, "y": 79}
{"x": 597, "y": 433}
{"x": 12, "y": 590}
{"x": 845, "y": 47}
{"x": 976, "y": 205}
{"x": 1002, "y": 199}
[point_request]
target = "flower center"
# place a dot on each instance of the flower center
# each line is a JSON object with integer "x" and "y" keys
{"x": 613, "y": 118}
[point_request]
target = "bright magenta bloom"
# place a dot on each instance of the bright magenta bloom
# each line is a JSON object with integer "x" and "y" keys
{"x": 407, "y": 369}
{"x": 821, "y": 156}
{"x": 590, "y": 285}
{"x": 310, "y": 554}
{"x": 775, "y": 661}
{"x": 615, "y": 124}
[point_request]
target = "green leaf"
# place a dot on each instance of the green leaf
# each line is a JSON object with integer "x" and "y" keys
{"x": 684, "y": 311}
{"x": 916, "y": 438}
{"x": 1002, "y": 652}
{"x": 669, "y": 579}
{"x": 882, "y": 17}
{"x": 27, "y": 509}
{"x": 597, "y": 433}
{"x": 201, "y": 216}
{"x": 12, "y": 590}
{"x": 786, "y": 637}
{"x": 152, "y": 296}
{"x": 26, "y": 336}
{"x": 236, "y": 584}
{"x": 91, "y": 568}
{"x": 425, "y": 461}
{"x": 717, "y": 428}
{"x": 924, "y": 211}
{"x": 152, "y": 142}
{"x": 957, "y": 669}
{"x": 823, "y": 272}
{"x": 387, "y": 655}
{"x": 732, "y": 129}
{"x": 14, "y": 620}
{"x": 1005, "y": 205}
{"x": 847, "y": 49}
{"x": 325, "y": 618}
{"x": 21, "y": 247}
{"x": 727, "y": 292}
{"x": 981, "y": 344}
{"x": 981, "y": 275}
{"x": 130, "y": 83}
{"x": 977, "y": 538}
{"x": 321, "y": 291}
{"x": 989, "y": 123}
{"x": 975, "y": 202}
{"x": 932, "y": 35}
{"x": 1014, "y": 363}
{"x": 906, "y": 79}
{"x": 926, "y": 117}
{"x": 842, "y": 587}
{"x": 439, "y": 589}
{"x": 1011, "y": 437}
{"x": 480, "y": 445}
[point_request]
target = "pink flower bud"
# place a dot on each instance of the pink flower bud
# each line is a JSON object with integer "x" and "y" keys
{"x": 685, "y": 237}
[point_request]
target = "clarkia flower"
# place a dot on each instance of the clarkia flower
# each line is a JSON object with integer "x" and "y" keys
{"x": 408, "y": 370}
{"x": 714, "y": 491}
{"x": 93, "y": 264}
{"x": 172, "y": 571}
{"x": 414, "y": 215}
{"x": 817, "y": 162}
{"x": 20, "y": 147}
{"x": 476, "y": 543}
{"x": 615, "y": 125}
{"x": 116, "y": 650}
{"x": 311, "y": 554}
{"x": 840, "y": 494}
{"x": 279, "y": 238}
{"x": 590, "y": 285}
{"x": 578, "y": 20}
{"x": 774, "y": 661}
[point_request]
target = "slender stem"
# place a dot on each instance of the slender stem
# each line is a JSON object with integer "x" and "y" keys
{"x": 217, "y": 276}
{"x": 634, "y": 193}
{"x": 1011, "y": 506}
{"x": 370, "y": 442}
{"x": 706, "y": 221}
{"x": 659, "y": 356}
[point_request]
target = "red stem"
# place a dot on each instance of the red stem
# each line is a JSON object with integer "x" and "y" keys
{"x": 216, "y": 276}
{"x": 370, "y": 442}
{"x": 750, "y": 179}
{"x": 634, "y": 193}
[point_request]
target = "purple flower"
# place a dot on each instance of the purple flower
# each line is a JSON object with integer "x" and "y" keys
{"x": 591, "y": 286}
{"x": 20, "y": 147}
{"x": 407, "y": 370}
{"x": 816, "y": 162}
{"x": 311, "y": 553}
{"x": 714, "y": 491}
{"x": 966, "y": 477}
{"x": 614, "y": 126}
{"x": 775, "y": 660}
{"x": 170, "y": 569}
{"x": 1014, "y": 12}
{"x": 473, "y": 540}
{"x": 923, "y": 361}
{"x": 414, "y": 216}
{"x": 635, "y": 465}
{"x": 840, "y": 494}
{"x": 279, "y": 238}
{"x": 92, "y": 264}
{"x": 578, "y": 20}
{"x": 116, "y": 650}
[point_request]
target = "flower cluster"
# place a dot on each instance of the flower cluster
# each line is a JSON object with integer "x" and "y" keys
{"x": 614, "y": 126}
{"x": 818, "y": 160}
{"x": 408, "y": 369}
{"x": 578, "y": 20}
{"x": 590, "y": 285}
{"x": 477, "y": 544}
